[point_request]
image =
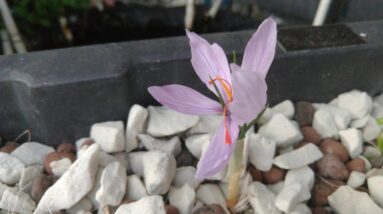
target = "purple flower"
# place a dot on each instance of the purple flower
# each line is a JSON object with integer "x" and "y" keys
{"x": 243, "y": 91}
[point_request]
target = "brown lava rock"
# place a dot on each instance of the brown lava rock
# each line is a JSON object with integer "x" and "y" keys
{"x": 330, "y": 166}
{"x": 39, "y": 185}
{"x": 171, "y": 209}
{"x": 274, "y": 175}
{"x": 330, "y": 146}
{"x": 54, "y": 156}
{"x": 356, "y": 164}
{"x": 210, "y": 209}
{"x": 255, "y": 173}
{"x": 322, "y": 190}
{"x": 66, "y": 147}
{"x": 310, "y": 135}
{"x": 319, "y": 210}
{"x": 9, "y": 147}
{"x": 304, "y": 113}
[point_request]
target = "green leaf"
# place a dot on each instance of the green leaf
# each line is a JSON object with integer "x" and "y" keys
{"x": 234, "y": 57}
{"x": 380, "y": 142}
{"x": 380, "y": 121}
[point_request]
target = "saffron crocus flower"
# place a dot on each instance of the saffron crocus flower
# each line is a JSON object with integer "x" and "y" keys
{"x": 242, "y": 90}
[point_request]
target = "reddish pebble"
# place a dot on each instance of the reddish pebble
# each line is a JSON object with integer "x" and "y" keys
{"x": 39, "y": 185}
{"x": 330, "y": 166}
{"x": 255, "y": 173}
{"x": 66, "y": 147}
{"x": 330, "y": 146}
{"x": 54, "y": 156}
{"x": 304, "y": 113}
{"x": 171, "y": 209}
{"x": 274, "y": 175}
{"x": 322, "y": 189}
{"x": 9, "y": 147}
{"x": 310, "y": 135}
{"x": 356, "y": 164}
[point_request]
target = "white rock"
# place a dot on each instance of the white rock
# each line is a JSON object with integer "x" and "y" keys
{"x": 80, "y": 207}
{"x": 277, "y": 187}
{"x": 371, "y": 131}
{"x": 31, "y": 153}
{"x": 281, "y": 130}
{"x": 360, "y": 122}
{"x": 165, "y": 122}
{"x": 347, "y": 200}
{"x": 374, "y": 172}
{"x": 290, "y": 196}
{"x": 10, "y": 169}
{"x": 122, "y": 158}
{"x": 105, "y": 159}
{"x": 377, "y": 111}
{"x": 182, "y": 198}
{"x": 96, "y": 186}
{"x": 113, "y": 185}
{"x": 357, "y": 102}
{"x": 367, "y": 162}
{"x": 303, "y": 156}
{"x": 286, "y": 108}
{"x": 79, "y": 142}
{"x": 356, "y": 179}
{"x": 171, "y": 146}
{"x": 136, "y": 164}
{"x": 17, "y": 202}
{"x": 4, "y": 187}
{"x": 266, "y": 116}
{"x": 303, "y": 175}
{"x": 109, "y": 135}
{"x": 341, "y": 117}
{"x": 261, "y": 199}
{"x": 211, "y": 194}
{"x": 198, "y": 204}
{"x": 261, "y": 152}
{"x": 73, "y": 185}
{"x": 379, "y": 99}
{"x": 159, "y": 171}
{"x": 207, "y": 124}
{"x": 324, "y": 124}
{"x": 301, "y": 208}
{"x": 285, "y": 150}
{"x": 135, "y": 125}
{"x": 147, "y": 205}
{"x": 371, "y": 152}
{"x": 185, "y": 175}
{"x": 27, "y": 175}
{"x": 352, "y": 140}
{"x": 195, "y": 144}
{"x": 375, "y": 188}
{"x": 135, "y": 188}
{"x": 59, "y": 167}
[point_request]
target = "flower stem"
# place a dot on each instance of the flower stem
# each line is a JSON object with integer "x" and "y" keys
{"x": 234, "y": 172}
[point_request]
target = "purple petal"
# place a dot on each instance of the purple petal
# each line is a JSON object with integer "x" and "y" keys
{"x": 218, "y": 152}
{"x": 250, "y": 96}
{"x": 208, "y": 61}
{"x": 260, "y": 50}
{"x": 184, "y": 99}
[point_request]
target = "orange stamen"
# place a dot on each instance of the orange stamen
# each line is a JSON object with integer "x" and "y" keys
{"x": 226, "y": 87}
{"x": 227, "y": 133}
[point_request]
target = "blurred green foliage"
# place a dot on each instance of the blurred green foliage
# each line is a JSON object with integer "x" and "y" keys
{"x": 44, "y": 12}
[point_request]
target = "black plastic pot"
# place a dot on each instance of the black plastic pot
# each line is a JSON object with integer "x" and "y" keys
{"x": 59, "y": 94}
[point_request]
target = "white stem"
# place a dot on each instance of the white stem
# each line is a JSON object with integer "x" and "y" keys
{"x": 189, "y": 14}
{"x": 7, "y": 45}
{"x": 12, "y": 28}
{"x": 321, "y": 13}
{"x": 214, "y": 9}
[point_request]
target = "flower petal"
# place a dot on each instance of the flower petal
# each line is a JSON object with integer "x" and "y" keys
{"x": 260, "y": 49}
{"x": 250, "y": 96}
{"x": 208, "y": 61}
{"x": 184, "y": 99}
{"x": 217, "y": 154}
